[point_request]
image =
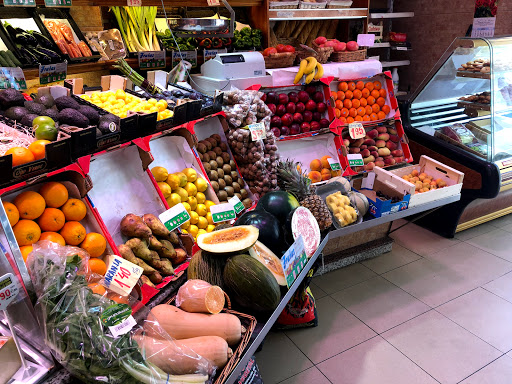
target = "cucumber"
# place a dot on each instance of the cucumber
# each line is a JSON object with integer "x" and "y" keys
{"x": 3, "y": 63}
{"x": 14, "y": 59}
{"x": 7, "y": 59}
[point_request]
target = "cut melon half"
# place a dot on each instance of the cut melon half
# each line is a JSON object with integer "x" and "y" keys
{"x": 266, "y": 257}
{"x": 229, "y": 240}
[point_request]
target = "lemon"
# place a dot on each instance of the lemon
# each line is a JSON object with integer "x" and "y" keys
{"x": 184, "y": 231}
{"x": 120, "y": 94}
{"x": 191, "y": 174}
{"x": 201, "y": 198}
{"x": 152, "y": 101}
{"x": 162, "y": 105}
{"x": 182, "y": 177}
{"x": 159, "y": 173}
{"x": 201, "y": 184}
{"x": 210, "y": 228}
{"x": 183, "y": 194}
{"x": 201, "y": 231}
{"x": 208, "y": 204}
{"x": 187, "y": 206}
{"x": 201, "y": 210}
{"x": 173, "y": 199}
{"x": 166, "y": 190}
{"x": 209, "y": 218}
{"x": 202, "y": 223}
{"x": 193, "y": 230}
{"x": 191, "y": 189}
{"x": 193, "y": 202}
{"x": 173, "y": 181}
{"x": 185, "y": 225}
{"x": 194, "y": 217}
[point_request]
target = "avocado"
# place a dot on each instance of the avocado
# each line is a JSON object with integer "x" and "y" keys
{"x": 90, "y": 113}
{"x": 28, "y": 118}
{"x": 47, "y": 100}
{"x": 71, "y": 116}
{"x": 34, "y": 107}
{"x": 11, "y": 98}
{"x": 16, "y": 113}
{"x": 106, "y": 126}
{"x": 110, "y": 117}
{"x": 53, "y": 113}
{"x": 64, "y": 102}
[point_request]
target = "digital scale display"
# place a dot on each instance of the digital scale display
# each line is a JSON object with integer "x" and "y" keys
{"x": 5, "y": 283}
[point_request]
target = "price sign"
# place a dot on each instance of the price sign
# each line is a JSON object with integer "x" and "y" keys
{"x": 356, "y": 130}
{"x": 257, "y": 131}
{"x": 213, "y": 3}
{"x": 366, "y": 40}
{"x": 52, "y": 72}
{"x": 211, "y": 53}
{"x": 355, "y": 160}
{"x": 222, "y": 212}
{"x": 121, "y": 275}
{"x": 12, "y": 78}
{"x": 335, "y": 165}
{"x": 152, "y": 59}
{"x": 57, "y": 3}
{"x": 19, "y": 3}
{"x": 190, "y": 56}
{"x": 174, "y": 216}
{"x": 294, "y": 260}
{"x": 134, "y": 3}
{"x": 9, "y": 290}
{"x": 237, "y": 204}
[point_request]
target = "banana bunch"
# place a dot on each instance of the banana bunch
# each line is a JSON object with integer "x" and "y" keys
{"x": 311, "y": 68}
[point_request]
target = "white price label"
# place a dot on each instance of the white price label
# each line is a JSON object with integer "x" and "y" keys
{"x": 237, "y": 204}
{"x": 174, "y": 216}
{"x": 356, "y": 130}
{"x": 124, "y": 327}
{"x": 134, "y": 3}
{"x": 335, "y": 164}
{"x": 294, "y": 260}
{"x": 355, "y": 160}
{"x": 257, "y": 131}
{"x": 121, "y": 275}
{"x": 213, "y": 3}
{"x": 222, "y": 212}
{"x": 9, "y": 290}
{"x": 401, "y": 48}
{"x": 366, "y": 40}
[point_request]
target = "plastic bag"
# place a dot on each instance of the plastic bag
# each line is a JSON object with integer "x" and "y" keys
{"x": 200, "y": 296}
{"x": 91, "y": 331}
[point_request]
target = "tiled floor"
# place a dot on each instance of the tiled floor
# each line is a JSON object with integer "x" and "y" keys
{"x": 433, "y": 310}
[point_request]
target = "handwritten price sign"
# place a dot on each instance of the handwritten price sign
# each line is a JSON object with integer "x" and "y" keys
{"x": 121, "y": 275}
{"x": 356, "y": 130}
{"x": 9, "y": 290}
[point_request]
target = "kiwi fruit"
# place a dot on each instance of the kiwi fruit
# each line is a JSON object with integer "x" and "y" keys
{"x": 214, "y": 176}
{"x": 229, "y": 190}
{"x": 234, "y": 175}
{"x": 241, "y": 182}
{"x": 225, "y": 157}
{"x": 206, "y": 166}
{"x": 244, "y": 193}
{"x": 222, "y": 183}
{"x": 224, "y": 147}
{"x": 247, "y": 203}
{"x": 201, "y": 147}
{"x": 228, "y": 179}
{"x": 217, "y": 138}
{"x": 200, "y": 156}
{"x": 236, "y": 186}
{"x": 223, "y": 196}
{"x": 212, "y": 141}
{"x": 239, "y": 196}
{"x": 206, "y": 157}
{"x": 219, "y": 161}
{"x": 217, "y": 150}
{"x": 208, "y": 145}
{"x": 212, "y": 155}
{"x": 215, "y": 186}
{"x": 232, "y": 164}
{"x": 226, "y": 168}
{"x": 220, "y": 171}
{"x": 214, "y": 164}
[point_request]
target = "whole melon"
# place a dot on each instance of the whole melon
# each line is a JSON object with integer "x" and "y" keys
{"x": 360, "y": 201}
{"x": 270, "y": 230}
{"x": 279, "y": 204}
{"x": 344, "y": 181}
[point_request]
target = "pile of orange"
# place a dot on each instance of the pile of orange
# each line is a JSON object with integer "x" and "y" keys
{"x": 359, "y": 101}
{"x": 321, "y": 170}
{"x": 51, "y": 215}
{"x": 21, "y": 155}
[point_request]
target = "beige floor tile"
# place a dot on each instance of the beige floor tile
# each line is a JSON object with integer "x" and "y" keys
{"x": 502, "y": 287}
{"x": 342, "y": 278}
{"x": 396, "y": 258}
{"x": 318, "y": 292}
{"x": 380, "y": 304}
{"x": 442, "y": 348}
{"x": 475, "y": 231}
{"x": 483, "y": 314}
{"x": 309, "y": 376}
{"x": 421, "y": 240}
{"x": 374, "y": 361}
{"x": 498, "y": 372}
{"x": 280, "y": 359}
{"x": 337, "y": 331}
{"x": 502, "y": 221}
{"x": 496, "y": 242}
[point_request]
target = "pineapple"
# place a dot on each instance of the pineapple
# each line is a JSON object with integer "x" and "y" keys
{"x": 292, "y": 180}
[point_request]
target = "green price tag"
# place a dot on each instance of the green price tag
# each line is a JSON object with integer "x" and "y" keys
{"x": 51, "y": 73}
{"x": 237, "y": 204}
{"x": 19, "y": 3}
{"x": 335, "y": 165}
{"x": 174, "y": 217}
{"x": 222, "y": 212}
{"x": 57, "y": 3}
{"x": 355, "y": 160}
{"x": 152, "y": 59}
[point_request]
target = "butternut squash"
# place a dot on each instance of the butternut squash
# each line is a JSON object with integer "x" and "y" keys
{"x": 181, "y": 357}
{"x": 183, "y": 325}
{"x": 200, "y": 296}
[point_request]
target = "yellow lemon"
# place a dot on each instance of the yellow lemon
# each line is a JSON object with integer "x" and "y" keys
{"x": 201, "y": 210}
{"x": 201, "y": 184}
{"x": 208, "y": 204}
{"x": 209, "y": 218}
{"x": 159, "y": 173}
{"x": 173, "y": 181}
{"x": 185, "y": 225}
{"x": 201, "y": 231}
{"x": 184, "y": 231}
{"x": 183, "y": 194}
{"x": 191, "y": 189}
{"x": 187, "y": 207}
{"x": 193, "y": 230}
{"x": 182, "y": 177}
{"x": 162, "y": 105}
{"x": 173, "y": 199}
{"x": 202, "y": 223}
{"x": 194, "y": 217}
{"x": 166, "y": 190}
{"x": 193, "y": 202}
{"x": 191, "y": 174}
{"x": 201, "y": 198}
{"x": 210, "y": 228}
{"x": 152, "y": 101}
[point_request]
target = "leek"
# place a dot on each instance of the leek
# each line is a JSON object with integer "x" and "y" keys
{"x": 137, "y": 26}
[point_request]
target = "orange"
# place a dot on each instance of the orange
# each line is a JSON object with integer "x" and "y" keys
{"x": 361, "y": 111}
{"x": 342, "y": 120}
{"x": 27, "y": 232}
{"x": 74, "y": 210}
{"x": 341, "y": 95}
{"x": 347, "y": 103}
{"x": 337, "y": 112}
{"x": 350, "y": 120}
{"x": 349, "y": 95}
{"x": 366, "y": 118}
{"x": 358, "y": 118}
{"x": 25, "y": 251}
{"x": 382, "y": 93}
{"x": 338, "y": 104}
{"x": 381, "y": 101}
{"x": 356, "y": 103}
{"x": 375, "y": 93}
{"x": 55, "y": 194}
{"x": 359, "y": 85}
{"x": 373, "y": 117}
{"x": 377, "y": 85}
{"x": 51, "y": 220}
{"x": 381, "y": 115}
{"x": 30, "y": 204}
{"x": 53, "y": 237}
{"x": 386, "y": 109}
{"x": 326, "y": 174}
{"x": 351, "y": 85}
{"x": 315, "y": 165}
{"x": 370, "y": 100}
{"x": 38, "y": 149}
{"x": 375, "y": 108}
{"x": 365, "y": 92}
{"x": 12, "y": 213}
{"x": 368, "y": 109}
{"x": 369, "y": 86}
{"x": 363, "y": 102}
{"x": 325, "y": 162}
{"x": 343, "y": 86}
{"x": 94, "y": 243}
{"x": 20, "y": 155}
{"x": 97, "y": 288}
{"x": 334, "y": 95}
{"x": 358, "y": 94}
{"x": 97, "y": 266}
{"x": 344, "y": 112}
{"x": 352, "y": 112}
{"x": 73, "y": 232}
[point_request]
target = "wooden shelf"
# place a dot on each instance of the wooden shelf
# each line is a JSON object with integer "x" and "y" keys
{"x": 391, "y": 15}
{"x": 398, "y": 63}
{"x": 317, "y": 14}
{"x": 167, "y": 3}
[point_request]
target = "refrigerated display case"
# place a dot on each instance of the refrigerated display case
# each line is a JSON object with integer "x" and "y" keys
{"x": 461, "y": 115}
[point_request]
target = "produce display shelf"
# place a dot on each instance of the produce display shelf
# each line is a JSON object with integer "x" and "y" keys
{"x": 474, "y": 75}
{"x": 317, "y": 14}
{"x": 398, "y": 63}
{"x": 381, "y": 45}
{"x": 169, "y": 4}
{"x": 391, "y": 15}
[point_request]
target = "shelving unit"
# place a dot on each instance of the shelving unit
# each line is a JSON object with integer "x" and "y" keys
{"x": 317, "y": 14}
{"x": 391, "y": 15}
{"x": 398, "y": 63}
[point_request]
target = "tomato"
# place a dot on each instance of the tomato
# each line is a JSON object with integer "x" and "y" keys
{"x": 269, "y": 51}
{"x": 280, "y": 48}
{"x": 289, "y": 48}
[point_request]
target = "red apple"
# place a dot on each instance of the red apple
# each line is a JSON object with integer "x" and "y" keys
{"x": 321, "y": 107}
{"x": 369, "y": 166}
{"x": 276, "y": 121}
{"x": 330, "y": 43}
{"x": 264, "y": 97}
{"x": 300, "y": 107}
{"x": 294, "y": 129}
{"x": 281, "y": 110}
{"x": 310, "y": 89}
{"x": 272, "y": 108}
{"x": 363, "y": 147}
{"x": 272, "y": 98}
{"x": 356, "y": 142}
{"x": 390, "y": 161}
{"x": 285, "y": 131}
{"x": 294, "y": 98}
{"x": 315, "y": 125}
{"x": 276, "y": 131}
{"x": 372, "y": 148}
{"x": 311, "y": 105}
{"x": 283, "y": 98}
{"x": 317, "y": 116}
{"x": 369, "y": 142}
{"x": 318, "y": 96}
{"x": 352, "y": 46}
{"x": 398, "y": 159}
{"x": 378, "y": 158}
{"x": 320, "y": 40}
{"x": 324, "y": 123}
{"x": 303, "y": 96}
{"x": 340, "y": 47}
{"x": 290, "y": 107}
{"x": 289, "y": 48}
{"x": 298, "y": 118}
{"x": 280, "y": 48}
{"x": 372, "y": 134}
{"x": 287, "y": 119}
{"x": 374, "y": 154}
{"x": 305, "y": 127}
{"x": 308, "y": 116}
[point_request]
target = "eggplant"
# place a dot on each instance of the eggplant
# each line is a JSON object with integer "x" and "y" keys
{"x": 56, "y": 58}
{"x": 42, "y": 58}
{"x": 43, "y": 41}
{"x": 30, "y": 57}
{"x": 26, "y": 39}
{"x": 10, "y": 29}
